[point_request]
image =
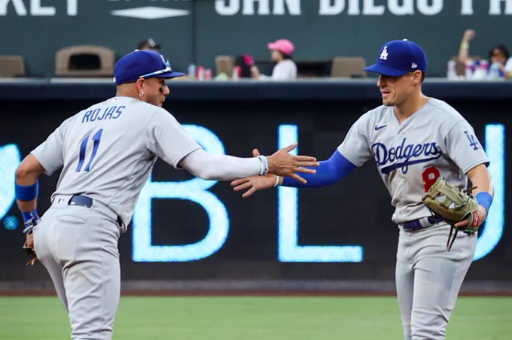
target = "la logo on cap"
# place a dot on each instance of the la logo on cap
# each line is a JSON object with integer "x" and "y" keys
{"x": 384, "y": 54}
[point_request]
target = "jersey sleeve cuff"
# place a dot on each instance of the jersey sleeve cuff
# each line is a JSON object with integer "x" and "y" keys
{"x": 349, "y": 158}
{"x": 178, "y": 159}
{"x": 47, "y": 169}
{"x": 472, "y": 165}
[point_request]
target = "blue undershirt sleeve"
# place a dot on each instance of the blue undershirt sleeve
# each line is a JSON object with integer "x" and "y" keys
{"x": 329, "y": 172}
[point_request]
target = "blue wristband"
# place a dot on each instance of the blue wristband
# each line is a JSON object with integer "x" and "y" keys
{"x": 485, "y": 200}
{"x": 26, "y": 192}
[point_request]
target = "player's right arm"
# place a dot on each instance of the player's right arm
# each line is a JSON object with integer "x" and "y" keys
{"x": 168, "y": 140}
{"x": 352, "y": 153}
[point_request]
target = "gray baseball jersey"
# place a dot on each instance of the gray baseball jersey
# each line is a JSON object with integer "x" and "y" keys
{"x": 435, "y": 141}
{"x": 108, "y": 150}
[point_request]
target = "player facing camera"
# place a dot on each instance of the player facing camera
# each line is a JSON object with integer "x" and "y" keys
{"x": 401, "y": 66}
{"x": 422, "y": 147}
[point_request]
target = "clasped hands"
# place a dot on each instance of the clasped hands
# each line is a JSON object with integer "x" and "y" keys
{"x": 281, "y": 163}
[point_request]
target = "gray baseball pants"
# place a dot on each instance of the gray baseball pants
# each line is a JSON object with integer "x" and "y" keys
{"x": 429, "y": 278}
{"x": 78, "y": 247}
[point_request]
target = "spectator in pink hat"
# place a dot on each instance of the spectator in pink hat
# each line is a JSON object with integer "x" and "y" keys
{"x": 281, "y": 53}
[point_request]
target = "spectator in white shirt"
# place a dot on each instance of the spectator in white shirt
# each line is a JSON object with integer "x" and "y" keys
{"x": 281, "y": 53}
{"x": 498, "y": 55}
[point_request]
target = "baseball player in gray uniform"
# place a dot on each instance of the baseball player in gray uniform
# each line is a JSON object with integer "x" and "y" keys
{"x": 106, "y": 153}
{"x": 414, "y": 140}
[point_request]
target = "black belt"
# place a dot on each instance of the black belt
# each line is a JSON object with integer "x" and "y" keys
{"x": 85, "y": 201}
{"x": 417, "y": 225}
{"x": 80, "y": 200}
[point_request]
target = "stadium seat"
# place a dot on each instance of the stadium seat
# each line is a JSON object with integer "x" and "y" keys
{"x": 348, "y": 67}
{"x": 224, "y": 64}
{"x": 12, "y": 66}
{"x": 85, "y": 61}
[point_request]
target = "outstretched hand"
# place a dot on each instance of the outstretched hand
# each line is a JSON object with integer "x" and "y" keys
{"x": 280, "y": 163}
{"x": 254, "y": 184}
{"x": 283, "y": 164}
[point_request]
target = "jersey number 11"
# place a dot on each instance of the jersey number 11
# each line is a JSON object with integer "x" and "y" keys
{"x": 83, "y": 147}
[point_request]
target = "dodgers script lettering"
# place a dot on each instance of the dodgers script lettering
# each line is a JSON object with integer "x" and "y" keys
{"x": 387, "y": 158}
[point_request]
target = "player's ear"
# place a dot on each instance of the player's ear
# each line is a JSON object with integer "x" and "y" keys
{"x": 139, "y": 84}
{"x": 416, "y": 76}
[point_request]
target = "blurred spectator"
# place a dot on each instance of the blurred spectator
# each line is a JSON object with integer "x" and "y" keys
{"x": 149, "y": 44}
{"x": 281, "y": 53}
{"x": 498, "y": 55}
{"x": 246, "y": 63}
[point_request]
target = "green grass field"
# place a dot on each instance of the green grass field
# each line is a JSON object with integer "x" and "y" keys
{"x": 251, "y": 318}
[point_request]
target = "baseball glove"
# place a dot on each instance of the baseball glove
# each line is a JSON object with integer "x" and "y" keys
{"x": 452, "y": 205}
{"x": 31, "y": 253}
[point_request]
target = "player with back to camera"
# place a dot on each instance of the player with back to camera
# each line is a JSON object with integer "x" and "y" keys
{"x": 416, "y": 142}
{"x": 107, "y": 153}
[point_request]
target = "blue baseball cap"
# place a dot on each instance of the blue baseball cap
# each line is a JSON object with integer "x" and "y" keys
{"x": 399, "y": 57}
{"x": 143, "y": 64}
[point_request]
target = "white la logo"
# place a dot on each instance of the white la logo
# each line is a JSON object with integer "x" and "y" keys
{"x": 384, "y": 54}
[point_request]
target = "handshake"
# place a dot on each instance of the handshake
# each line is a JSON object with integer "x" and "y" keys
{"x": 280, "y": 164}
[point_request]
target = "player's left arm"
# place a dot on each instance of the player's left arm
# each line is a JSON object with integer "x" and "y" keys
{"x": 46, "y": 158}
{"x": 467, "y": 152}
{"x": 27, "y": 189}
{"x": 483, "y": 192}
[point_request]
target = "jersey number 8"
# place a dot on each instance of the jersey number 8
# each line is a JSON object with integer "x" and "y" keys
{"x": 430, "y": 176}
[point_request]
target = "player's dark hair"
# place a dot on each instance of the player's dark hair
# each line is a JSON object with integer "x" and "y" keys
{"x": 423, "y": 75}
